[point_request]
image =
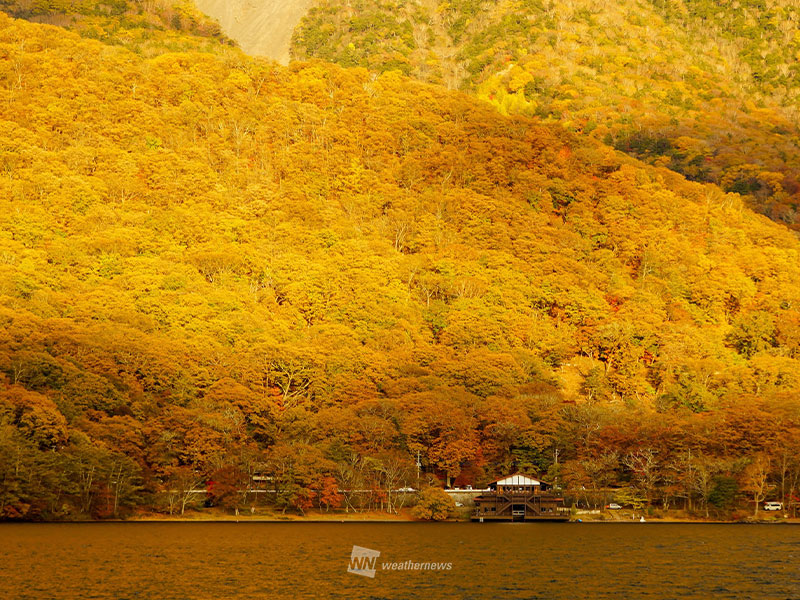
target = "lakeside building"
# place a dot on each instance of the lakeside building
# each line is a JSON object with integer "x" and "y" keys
{"x": 520, "y": 498}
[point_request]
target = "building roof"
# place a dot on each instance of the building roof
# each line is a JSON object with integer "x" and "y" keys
{"x": 517, "y": 479}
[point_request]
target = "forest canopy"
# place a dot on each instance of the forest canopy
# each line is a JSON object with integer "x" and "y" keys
{"x": 706, "y": 88}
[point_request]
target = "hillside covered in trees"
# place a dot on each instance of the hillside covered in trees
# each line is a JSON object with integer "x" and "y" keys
{"x": 147, "y": 27}
{"x": 212, "y": 266}
{"x": 708, "y": 89}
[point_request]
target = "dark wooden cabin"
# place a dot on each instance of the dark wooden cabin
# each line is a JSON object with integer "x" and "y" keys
{"x": 520, "y": 498}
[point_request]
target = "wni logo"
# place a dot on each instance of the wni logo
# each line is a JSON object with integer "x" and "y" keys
{"x": 362, "y": 561}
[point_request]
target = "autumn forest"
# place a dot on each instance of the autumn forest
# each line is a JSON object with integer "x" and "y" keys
{"x": 481, "y": 241}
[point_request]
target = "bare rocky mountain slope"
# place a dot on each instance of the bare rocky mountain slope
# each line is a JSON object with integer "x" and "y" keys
{"x": 262, "y": 27}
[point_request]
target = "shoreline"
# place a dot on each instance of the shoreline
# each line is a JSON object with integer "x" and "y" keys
{"x": 400, "y": 520}
{"x": 405, "y": 515}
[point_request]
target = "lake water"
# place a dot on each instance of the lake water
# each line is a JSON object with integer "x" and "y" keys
{"x": 219, "y": 561}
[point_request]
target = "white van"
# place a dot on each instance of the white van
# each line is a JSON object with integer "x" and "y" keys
{"x": 773, "y": 506}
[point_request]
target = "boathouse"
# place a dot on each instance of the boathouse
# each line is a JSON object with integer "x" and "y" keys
{"x": 520, "y": 498}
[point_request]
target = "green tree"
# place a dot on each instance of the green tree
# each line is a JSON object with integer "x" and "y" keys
{"x": 434, "y": 504}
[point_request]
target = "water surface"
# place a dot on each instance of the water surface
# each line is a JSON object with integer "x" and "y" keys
{"x": 163, "y": 561}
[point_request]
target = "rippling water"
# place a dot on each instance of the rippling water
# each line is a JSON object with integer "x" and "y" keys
{"x": 310, "y": 560}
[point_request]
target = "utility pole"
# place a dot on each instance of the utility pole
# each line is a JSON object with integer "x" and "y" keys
{"x": 419, "y": 466}
{"x": 556, "y": 466}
